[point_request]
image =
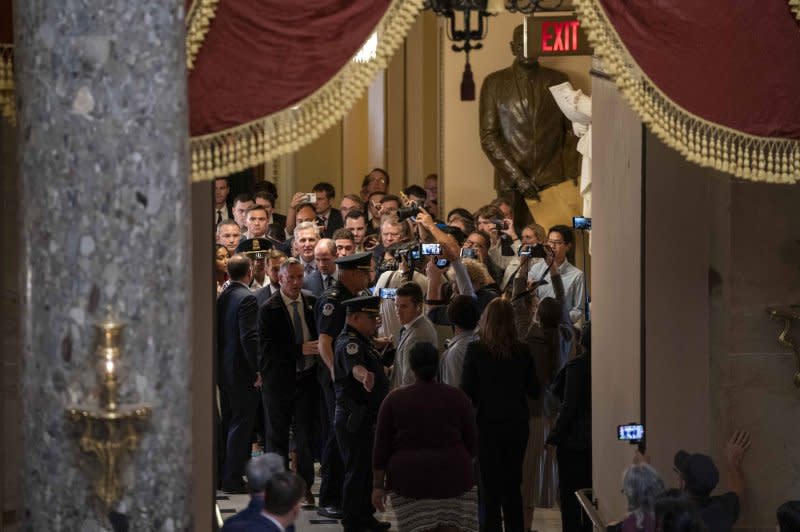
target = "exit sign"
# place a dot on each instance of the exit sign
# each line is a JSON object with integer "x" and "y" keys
{"x": 548, "y": 36}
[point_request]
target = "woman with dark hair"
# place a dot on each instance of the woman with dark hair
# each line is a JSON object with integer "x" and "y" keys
{"x": 221, "y": 256}
{"x": 425, "y": 443}
{"x": 499, "y": 375}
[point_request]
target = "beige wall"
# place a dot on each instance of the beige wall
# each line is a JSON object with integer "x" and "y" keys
{"x": 467, "y": 175}
{"x": 616, "y": 288}
{"x": 676, "y": 303}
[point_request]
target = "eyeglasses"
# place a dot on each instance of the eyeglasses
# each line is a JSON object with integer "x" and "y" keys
{"x": 554, "y": 242}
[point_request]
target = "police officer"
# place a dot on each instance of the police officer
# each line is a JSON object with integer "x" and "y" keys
{"x": 360, "y": 385}
{"x": 354, "y": 278}
{"x": 256, "y": 249}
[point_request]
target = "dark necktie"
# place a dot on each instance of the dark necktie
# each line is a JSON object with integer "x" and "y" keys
{"x": 219, "y": 216}
{"x": 328, "y": 281}
{"x": 400, "y": 334}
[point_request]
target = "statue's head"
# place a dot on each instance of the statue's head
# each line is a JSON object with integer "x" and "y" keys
{"x": 518, "y": 45}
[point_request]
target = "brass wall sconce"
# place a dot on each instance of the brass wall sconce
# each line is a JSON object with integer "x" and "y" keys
{"x": 788, "y": 315}
{"x": 109, "y": 429}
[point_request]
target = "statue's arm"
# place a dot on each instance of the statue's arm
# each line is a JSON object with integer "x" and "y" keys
{"x": 492, "y": 140}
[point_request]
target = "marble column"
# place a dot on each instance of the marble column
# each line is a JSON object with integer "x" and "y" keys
{"x": 103, "y": 161}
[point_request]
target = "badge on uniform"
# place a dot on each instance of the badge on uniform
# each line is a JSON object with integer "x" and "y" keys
{"x": 327, "y": 309}
{"x": 352, "y": 348}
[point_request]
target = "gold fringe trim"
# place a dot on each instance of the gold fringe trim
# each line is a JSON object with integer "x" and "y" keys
{"x": 794, "y": 5}
{"x": 235, "y": 149}
{"x": 7, "y": 108}
{"x": 774, "y": 160}
{"x": 198, "y": 21}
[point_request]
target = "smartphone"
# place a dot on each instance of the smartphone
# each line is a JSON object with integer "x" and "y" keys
{"x": 311, "y": 197}
{"x": 468, "y": 253}
{"x": 388, "y": 293}
{"x": 633, "y": 432}
{"x": 432, "y": 249}
{"x": 442, "y": 263}
{"x": 581, "y": 222}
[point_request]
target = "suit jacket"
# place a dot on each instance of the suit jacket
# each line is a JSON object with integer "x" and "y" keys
{"x": 237, "y": 337}
{"x": 523, "y": 130}
{"x": 252, "y": 520}
{"x": 280, "y": 352}
{"x": 335, "y": 221}
{"x": 421, "y": 330}
{"x": 227, "y": 211}
{"x": 279, "y": 219}
{"x": 264, "y": 293}
{"x": 314, "y": 283}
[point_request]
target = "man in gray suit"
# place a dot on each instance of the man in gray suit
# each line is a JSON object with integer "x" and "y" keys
{"x": 416, "y": 327}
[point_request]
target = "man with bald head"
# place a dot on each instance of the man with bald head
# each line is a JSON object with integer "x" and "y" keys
{"x": 325, "y": 274}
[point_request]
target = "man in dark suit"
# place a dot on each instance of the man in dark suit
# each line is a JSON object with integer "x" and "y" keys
{"x": 283, "y": 497}
{"x": 328, "y": 218}
{"x": 324, "y": 276}
{"x": 274, "y": 260}
{"x": 222, "y": 209}
{"x": 288, "y": 336}
{"x": 237, "y": 351}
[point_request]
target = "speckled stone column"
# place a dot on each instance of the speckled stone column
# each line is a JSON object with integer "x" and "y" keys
{"x": 103, "y": 154}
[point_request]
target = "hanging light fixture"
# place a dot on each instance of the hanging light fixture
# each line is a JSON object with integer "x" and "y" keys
{"x": 467, "y": 25}
{"x": 529, "y": 7}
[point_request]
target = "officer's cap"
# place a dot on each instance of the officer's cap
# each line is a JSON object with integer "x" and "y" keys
{"x": 255, "y": 248}
{"x": 368, "y": 304}
{"x": 359, "y": 261}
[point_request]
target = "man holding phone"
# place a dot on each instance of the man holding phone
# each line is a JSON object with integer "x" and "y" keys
{"x": 560, "y": 240}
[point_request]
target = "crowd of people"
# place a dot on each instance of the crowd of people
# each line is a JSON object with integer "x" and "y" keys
{"x": 440, "y": 363}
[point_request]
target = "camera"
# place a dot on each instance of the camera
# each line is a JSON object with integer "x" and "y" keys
{"x": 499, "y": 224}
{"x": 409, "y": 212}
{"x": 632, "y": 432}
{"x": 468, "y": 253}
{"x": 533, "y": 251}
{"x": 581, "y": 222}
{"x": 431, "y": 249}
{"x": 388, "y": 293}
{"x": 311, "y": 197}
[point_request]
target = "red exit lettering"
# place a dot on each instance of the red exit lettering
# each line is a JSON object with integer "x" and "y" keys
{"x": 560, "y": 36}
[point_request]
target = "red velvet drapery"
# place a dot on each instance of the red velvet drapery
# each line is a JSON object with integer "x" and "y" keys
{"x": 261, "y": 57}
{"x": 736, "y": 64}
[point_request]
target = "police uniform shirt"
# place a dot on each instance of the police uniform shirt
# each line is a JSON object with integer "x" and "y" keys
{"x": 353, "y": 349}
{"x": 329, "y": 311}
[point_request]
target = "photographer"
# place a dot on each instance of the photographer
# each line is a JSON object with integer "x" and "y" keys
{"x": 471, "y": 277}
{"x": 505, "y": 242}
{"x": 402, "y": 270}
{"x": 560, "y": 240}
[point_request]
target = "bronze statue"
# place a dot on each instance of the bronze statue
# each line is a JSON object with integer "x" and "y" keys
{"x": 523, "y": 132}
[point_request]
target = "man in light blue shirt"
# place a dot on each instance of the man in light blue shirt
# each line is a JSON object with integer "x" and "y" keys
{"x": 560, "y": 240}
